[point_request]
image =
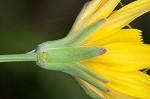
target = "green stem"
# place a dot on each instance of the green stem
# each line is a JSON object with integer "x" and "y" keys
{"x": 18, "y": 57}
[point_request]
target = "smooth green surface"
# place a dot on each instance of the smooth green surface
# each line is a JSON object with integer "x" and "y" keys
{"x": 69, "y": 54}
{"x": 18, "y": 57}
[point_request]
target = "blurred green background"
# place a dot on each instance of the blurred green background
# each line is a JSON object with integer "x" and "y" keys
{"x": 26, "y": 23}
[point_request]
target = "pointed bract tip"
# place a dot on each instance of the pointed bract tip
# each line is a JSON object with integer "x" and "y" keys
{"x": 87, "y": 3}
{"x": 105, "y": 81}
{"x": 103, "y": 20}
{"x": 107, "y": 90}
{"x": 104, "y": 50}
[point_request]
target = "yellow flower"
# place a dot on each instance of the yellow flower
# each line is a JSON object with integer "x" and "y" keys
{"x": 126, "y": 55}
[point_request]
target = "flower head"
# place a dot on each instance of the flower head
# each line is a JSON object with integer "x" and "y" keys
{"x": 104, "y": 57}
{"x": 126, "y": 55}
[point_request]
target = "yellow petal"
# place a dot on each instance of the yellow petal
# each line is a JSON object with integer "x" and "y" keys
{"x": 91, "y": 88}
{"x": 125, "y": 57}
{"x": 124, "y": 35}
{"x": 94, "y": 11}
{"x": 135, "y": 83}
{"x": 105, "y": 95}
{"x": 103, "y": 12}
{"x": 90, "y": 9}
{"x": 87, "y": 11}
{"x": 117, "y": 95}
{"x": 122, "y": 17}
{"x": 128, "y": 13}
{"x": 134, "y": 6}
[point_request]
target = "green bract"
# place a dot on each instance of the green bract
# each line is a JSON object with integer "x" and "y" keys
{"x": 68, "y": 54}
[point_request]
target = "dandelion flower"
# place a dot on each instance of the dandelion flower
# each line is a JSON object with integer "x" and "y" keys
{"x": 104, "y": 57}
{"x": 126, "y": 55}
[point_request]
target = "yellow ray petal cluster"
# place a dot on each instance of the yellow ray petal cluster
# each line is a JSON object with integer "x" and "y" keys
{"x": 121, "y": 18}
{"x": 133, "y": 84}
{"x": 126, "y": 55}
{"x": 127, "y": 35}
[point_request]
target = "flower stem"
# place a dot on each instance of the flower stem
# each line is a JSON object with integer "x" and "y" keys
{"x": 18, "y": 57}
